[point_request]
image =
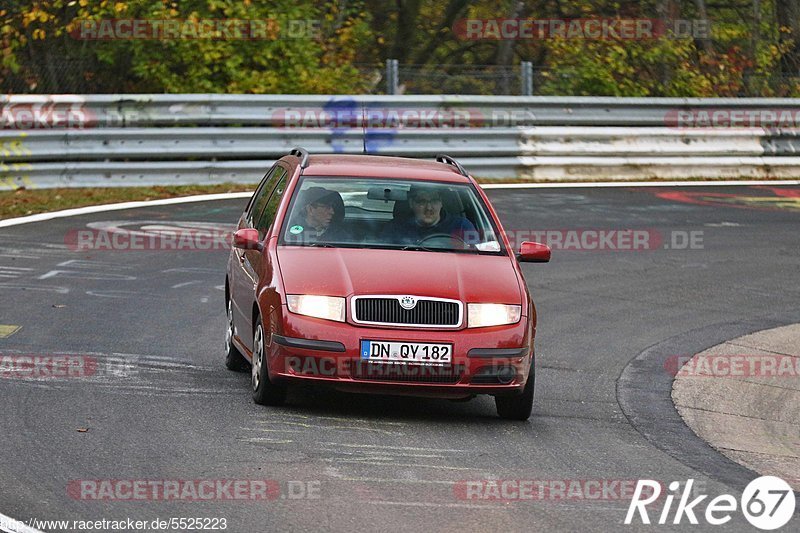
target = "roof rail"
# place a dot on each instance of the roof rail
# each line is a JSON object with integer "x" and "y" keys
{"x": 302, "y": 153}
{"x": 442, "y": 158}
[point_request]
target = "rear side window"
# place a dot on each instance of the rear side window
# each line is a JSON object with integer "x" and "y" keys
{"x": 271, "y": 207}
{"x": 261, "y": 196}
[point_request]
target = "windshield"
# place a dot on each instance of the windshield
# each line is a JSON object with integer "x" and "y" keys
{"x": 395, "y": 214}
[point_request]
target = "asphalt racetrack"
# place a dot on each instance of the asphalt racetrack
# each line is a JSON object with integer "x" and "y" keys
{"x": 711, "y": 263}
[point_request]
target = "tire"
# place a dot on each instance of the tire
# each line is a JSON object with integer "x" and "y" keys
{"x": 518, "y": 406}
{"x": 264, "y": 391}
{"x": 234, "y": 360}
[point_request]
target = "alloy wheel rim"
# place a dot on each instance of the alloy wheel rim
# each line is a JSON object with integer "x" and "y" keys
{"x": 229, "y": 332}
{"x": 258, "y": 355}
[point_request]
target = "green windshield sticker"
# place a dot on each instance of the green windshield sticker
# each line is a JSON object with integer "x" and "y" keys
{"x": 294, "y": 230}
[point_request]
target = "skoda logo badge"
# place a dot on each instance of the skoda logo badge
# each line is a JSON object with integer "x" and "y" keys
{"x": 408, "y": 302}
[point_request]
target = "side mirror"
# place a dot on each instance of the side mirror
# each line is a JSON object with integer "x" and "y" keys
{"x": 247, "y": 239}
{"x": 533, "y": 252}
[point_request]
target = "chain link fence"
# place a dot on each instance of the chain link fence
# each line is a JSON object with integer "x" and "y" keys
{"x": 66, "y": 76}
{"x": 81, "y": 76}
{"x": 460, "y": 79}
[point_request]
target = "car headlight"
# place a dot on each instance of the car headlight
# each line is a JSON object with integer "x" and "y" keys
{"x": 327, "y": 307}
{"x": 482, "y": 315}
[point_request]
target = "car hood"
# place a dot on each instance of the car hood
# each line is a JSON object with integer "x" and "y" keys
{"x": 349, "y": 271}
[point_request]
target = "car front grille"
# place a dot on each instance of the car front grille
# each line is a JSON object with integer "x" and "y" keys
{"x": 405, "y": 373}
{"x": 386, "y": 310}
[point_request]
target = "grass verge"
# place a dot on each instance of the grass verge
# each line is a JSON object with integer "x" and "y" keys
{"x": 22, "y": 202}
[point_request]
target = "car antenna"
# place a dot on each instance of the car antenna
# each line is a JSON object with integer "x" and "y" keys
{"x": 363, "y": 127}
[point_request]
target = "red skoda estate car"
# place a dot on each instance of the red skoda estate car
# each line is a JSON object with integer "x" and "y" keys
{"x": 380, "y": 275}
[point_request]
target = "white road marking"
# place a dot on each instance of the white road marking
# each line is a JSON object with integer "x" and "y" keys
{"x": 355, "y": 428}
{"x": 13, "y": 272}
{"x": 339, "y": 418}
{"x": 501, "y": 505}
{"x": 45, "y": 288}
{"x": 390, "y": 480}
{"x": 149, "y": 230}
{"x": 364, "y": 459}
{"x": 185, "y": 283}
{"x": 611, "y": 184}
{"x": 83, "y": 263}
{"x": 20, "y": 256}
{"x": 268, "y": 440}
{"x": 431, "y": 504}
{"x": 86, "y": 275}
{"x": 722, "y": 225}
{"x": 124, "y": 294}
{"x": 274, "y": 430}
{"x": 385, "y": 455}
{"x": 236, "y": 195}
{"x": 379, "y": 446}
{"x": 192, "y": 270}
{"x": 412, "y": 465}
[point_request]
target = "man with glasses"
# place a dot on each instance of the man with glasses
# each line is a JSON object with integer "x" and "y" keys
{"x": 429, "y": 221}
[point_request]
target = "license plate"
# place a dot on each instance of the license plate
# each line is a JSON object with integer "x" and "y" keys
{"x": 408, "y": 352}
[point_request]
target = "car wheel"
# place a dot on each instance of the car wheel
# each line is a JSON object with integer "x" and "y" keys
{"x": 519, "y": 406}
{"x": 264, "y": 391}
{"x": 234, "y": 360}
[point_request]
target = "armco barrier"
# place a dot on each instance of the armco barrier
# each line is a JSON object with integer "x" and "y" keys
{"x": 114, "y": 140}
{"x": 148, "y": 110}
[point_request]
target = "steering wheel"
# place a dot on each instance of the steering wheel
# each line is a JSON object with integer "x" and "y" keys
{"x": 447, "y": 236}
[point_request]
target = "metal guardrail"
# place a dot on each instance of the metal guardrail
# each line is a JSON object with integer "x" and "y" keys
{"x": 253, "y": 143}
{"x": 113, "y": 140}
{"x": 149, "y": 173}
{"x": 271, "y": 110}
{"x": 246, "y": 143}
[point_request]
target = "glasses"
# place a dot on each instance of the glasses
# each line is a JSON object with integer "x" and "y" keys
{"x": 428, "y": 202}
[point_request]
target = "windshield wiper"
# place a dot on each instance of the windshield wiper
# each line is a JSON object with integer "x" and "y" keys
{"x": 419, "y": 248}
{"x": 320, "y": 245}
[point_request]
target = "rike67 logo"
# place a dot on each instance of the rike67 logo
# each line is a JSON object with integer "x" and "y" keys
{"x": 767, "y": 502}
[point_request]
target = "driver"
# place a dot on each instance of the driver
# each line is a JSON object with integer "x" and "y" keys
{"x": 428, "y": 219}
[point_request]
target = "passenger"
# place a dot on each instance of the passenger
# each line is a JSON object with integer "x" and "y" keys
{"x": 319, "y": 216}
{"x": 428, "y": 218}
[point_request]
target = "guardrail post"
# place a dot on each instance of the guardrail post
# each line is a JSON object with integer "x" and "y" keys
{"x": 392, "y": 76}
{"x": 527, "y": 78}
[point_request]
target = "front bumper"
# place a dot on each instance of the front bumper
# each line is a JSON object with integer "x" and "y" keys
{"x": 493, "y": 360}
